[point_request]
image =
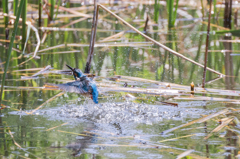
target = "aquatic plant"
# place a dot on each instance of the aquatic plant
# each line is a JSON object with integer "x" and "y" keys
{"x": 172, "y": 12}
{"x": 11, "y": 45}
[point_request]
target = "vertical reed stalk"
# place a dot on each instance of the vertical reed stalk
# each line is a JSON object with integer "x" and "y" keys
{"x": 146, "y": 24}
{"x": 172, "y": 15}
{"x": 215, "y": 8}
{"x": 156, "y": 11}
{"x": 24, "y": 26}
{"x": 93, "y": 37}
{"x": 15, "y": 5}
{"x": 227, "y": 14}
{"x": 39, "y": 13}
{"x": 5, "y": 10}
{"x": 10, "y": 46}
{"x": 52, "y": 8}
{"x": 59, "y": 1}
{"x": 206, "y": 48}
{"x": 202, "y": 9}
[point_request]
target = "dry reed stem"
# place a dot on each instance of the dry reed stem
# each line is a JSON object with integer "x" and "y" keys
{"x": 71, "y": 11}
{"x": 220, "y": 127}
{"x": 175, "y": 151}
{"x": 206, "y": 47}
{"x": 144, "y": 146}
{"x": 214, "y": 25}
{"x": 49, "y": 100}
{"x": 73, "y": 133}
{"x": 184, "y": 154}
{"x": 15, "y": 143}
{"x": 203, "y": 119}
{"x": 36, "y": 33}
{"x": 56, "y": 127}
{"x": 157, "y": 43}
{"x": 14, "y": 139}
{"x": 73, "y": 22}
{"x": 93, "y": 38}
{"x": 39, "y": 72}
{"x": 24, "y": 157}
{"x": 120, "y": 34}
{"x": 177, "y": 138}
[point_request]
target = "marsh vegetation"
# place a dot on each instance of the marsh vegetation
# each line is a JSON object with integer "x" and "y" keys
{"x": 148, "y": 59}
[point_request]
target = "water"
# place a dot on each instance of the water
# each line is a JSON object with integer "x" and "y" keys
{"x": 122, "y": 125}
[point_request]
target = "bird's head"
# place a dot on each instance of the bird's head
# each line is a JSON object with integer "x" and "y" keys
{"x": 77, "y": 73}
{"x": 94, "y": 92}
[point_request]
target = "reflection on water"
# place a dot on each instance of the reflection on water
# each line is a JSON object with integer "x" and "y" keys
{"x": 71, "y": 126}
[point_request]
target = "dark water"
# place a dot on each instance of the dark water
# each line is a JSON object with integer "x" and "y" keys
{"x": 72, "y": 126}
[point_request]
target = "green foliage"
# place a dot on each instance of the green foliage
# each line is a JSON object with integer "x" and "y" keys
{"x": 233, "y": 32}
{"x": 11, "y": 45}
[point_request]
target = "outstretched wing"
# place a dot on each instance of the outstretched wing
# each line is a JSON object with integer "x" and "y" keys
{"x": 73, "y": 87}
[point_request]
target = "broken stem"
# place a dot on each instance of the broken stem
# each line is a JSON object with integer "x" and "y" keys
{"x": 206, "y": 48}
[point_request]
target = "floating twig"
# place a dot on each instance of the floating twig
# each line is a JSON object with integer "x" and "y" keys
{"x": 220, "y": 127}
{"x": 56, "y": 127}
{"x": 49, "y": 100}
{"x": 38, "y": 73}
{"x": 184, "y": 154}
{"x": 201, "y": 120}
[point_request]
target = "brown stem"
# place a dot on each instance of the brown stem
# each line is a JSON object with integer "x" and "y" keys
{"x": 206, "y": 48}
{"x": 93, "y": 37}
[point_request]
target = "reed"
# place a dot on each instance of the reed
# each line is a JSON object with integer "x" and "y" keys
{"x": 93, "y": 37}
{"x": 24, "y": 26}
{"x": 15, "y": 5}
{"x": 172, "y": 12}
{"x": 5, "y": 10}
{"x": 158, "y": 43}
{"x": 39, "y": 13}
{"x": 52, "y": 2}
{"x": 156, "y": 10}
{"x": 206, "y": 48}
{"x": 10, "y": 46}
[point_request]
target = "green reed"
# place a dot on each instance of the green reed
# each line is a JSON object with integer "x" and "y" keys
{"x": 52, "y": 2}
{"x": 15, "y": 5}
{"x": 10, "y": 46}
{"x": 24, "y": 26}
{"x": 5, "y": 10}
{"x": 156, "y": 10}
{"x": 172, "y": 13}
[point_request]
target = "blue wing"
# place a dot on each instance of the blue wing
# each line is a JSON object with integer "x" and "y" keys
{"x": 73, "y": 87}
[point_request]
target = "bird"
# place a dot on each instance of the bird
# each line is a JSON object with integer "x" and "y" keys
{"x": 82, "y": 85}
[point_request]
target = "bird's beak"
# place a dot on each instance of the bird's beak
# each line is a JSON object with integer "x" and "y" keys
{"x": 70, "y": 67}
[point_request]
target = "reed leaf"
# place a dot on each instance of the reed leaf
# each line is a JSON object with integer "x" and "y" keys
{"x": 5, "y": 10}
{"x": 52, "y": 8}
{"x": 24, "y": 19}
{"x": 11, "y": 45}
{"x": 15, "y": 5}
{"x": 59, "y": 1}
{"x": 156, "y": 10}
{"x": 172, "y": 14}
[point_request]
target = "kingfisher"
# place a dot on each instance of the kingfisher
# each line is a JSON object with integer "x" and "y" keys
{"x": 81, "y": 85}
